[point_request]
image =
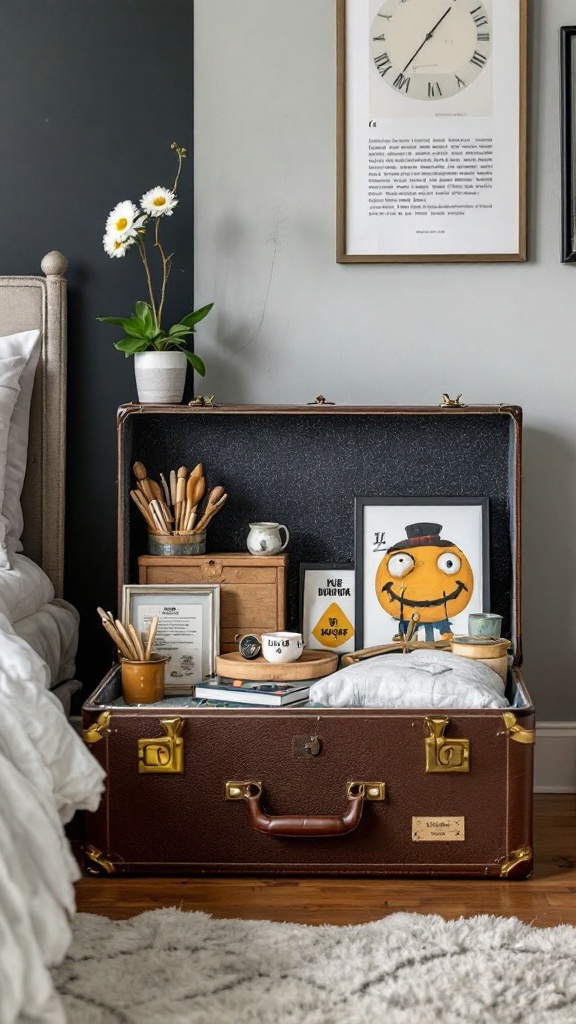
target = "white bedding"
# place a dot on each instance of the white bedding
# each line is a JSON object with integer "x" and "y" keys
{"x": 24, "y": 589}
{"x": 53, "y": 633}
{"x": 46, "y": 774}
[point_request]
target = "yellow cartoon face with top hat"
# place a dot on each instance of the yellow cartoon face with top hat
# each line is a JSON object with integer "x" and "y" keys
{"x": 424, "y": 579}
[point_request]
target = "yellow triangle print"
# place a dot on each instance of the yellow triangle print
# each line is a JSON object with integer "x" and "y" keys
{"x": 333, "y": 627}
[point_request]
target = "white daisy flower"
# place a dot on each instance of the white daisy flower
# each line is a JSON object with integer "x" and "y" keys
{"x": 115, "y": 245}
{"x": 158, "y": 202}
{"x": 124, "y": 220}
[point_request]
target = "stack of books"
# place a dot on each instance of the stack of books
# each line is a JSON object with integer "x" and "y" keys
{"x": 246, "y": 691}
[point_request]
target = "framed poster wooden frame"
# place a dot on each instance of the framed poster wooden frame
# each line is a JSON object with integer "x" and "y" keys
{"x": 426, "y": 174}
{"x": 568, "y": 115}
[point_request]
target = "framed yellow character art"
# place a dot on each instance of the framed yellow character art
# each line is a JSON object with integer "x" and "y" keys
{"x": 421, "y": 564}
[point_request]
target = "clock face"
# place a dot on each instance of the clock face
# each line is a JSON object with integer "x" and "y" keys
{"x": 431, "y": 49}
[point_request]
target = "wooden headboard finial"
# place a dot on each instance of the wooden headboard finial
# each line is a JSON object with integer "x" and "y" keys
{"x": 54, "y": 264}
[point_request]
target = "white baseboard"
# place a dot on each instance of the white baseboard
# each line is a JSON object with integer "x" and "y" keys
{"x": 555, "y": 757}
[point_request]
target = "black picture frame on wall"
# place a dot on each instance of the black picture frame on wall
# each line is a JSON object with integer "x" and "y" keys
{"x": 568, "y": 139}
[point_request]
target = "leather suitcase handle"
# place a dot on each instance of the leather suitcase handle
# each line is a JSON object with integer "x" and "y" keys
{"x": 304, "y": 826}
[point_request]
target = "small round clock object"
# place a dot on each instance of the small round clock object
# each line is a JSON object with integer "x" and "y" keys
{"x": 249, "y": 646}
{"x": 431, "y": 49}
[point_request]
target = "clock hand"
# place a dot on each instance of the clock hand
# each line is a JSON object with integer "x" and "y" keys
{"x": 428, "y": 36}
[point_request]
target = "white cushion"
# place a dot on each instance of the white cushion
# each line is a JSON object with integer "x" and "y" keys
{"x": 26, "y": 345}
{"x": 15, "y": 350}
{"x": 423, "y": 679}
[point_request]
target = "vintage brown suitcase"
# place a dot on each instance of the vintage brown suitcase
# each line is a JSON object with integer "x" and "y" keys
{"x": 304, "y": 790}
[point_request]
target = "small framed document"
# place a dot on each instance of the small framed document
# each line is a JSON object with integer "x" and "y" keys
{"x": 431, "y": 130}
{"x": 327, "y": 606}
{"x": 188, "y": 627}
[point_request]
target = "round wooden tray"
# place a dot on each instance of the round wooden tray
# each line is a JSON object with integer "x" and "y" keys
{"x": 310, "y": 665}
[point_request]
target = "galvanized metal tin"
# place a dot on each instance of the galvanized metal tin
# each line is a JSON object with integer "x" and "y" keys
{"x": 176, "y": 543}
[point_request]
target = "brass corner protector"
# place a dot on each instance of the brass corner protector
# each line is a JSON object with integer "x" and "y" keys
{"x": 517, "y": 732}
{"x": 98, "y": 728}
{"x": 525, "y": 853}
{"x": 96, "y": 862}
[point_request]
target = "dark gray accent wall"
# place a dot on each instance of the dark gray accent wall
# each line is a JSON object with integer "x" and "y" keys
{"x": 92, "y": 93}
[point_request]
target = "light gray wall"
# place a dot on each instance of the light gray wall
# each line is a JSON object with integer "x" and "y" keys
{"x": 290, "y": 323}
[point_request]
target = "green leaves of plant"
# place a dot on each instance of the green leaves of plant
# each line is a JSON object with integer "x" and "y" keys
{"x": 141, "y": 333}
{"x": 196, "y": 316}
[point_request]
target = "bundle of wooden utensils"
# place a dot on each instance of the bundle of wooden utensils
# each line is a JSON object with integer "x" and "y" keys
{"x": 131, "y": 644}
{"x": 174, "y": 507}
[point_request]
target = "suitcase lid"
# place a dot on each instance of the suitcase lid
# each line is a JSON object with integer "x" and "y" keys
{"x": 305, "y": 465}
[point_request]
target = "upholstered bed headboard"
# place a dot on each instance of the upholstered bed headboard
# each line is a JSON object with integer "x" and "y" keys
{"x": 27, "y": 303}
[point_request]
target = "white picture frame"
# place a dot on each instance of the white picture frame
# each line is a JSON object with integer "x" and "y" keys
{"x": 328, "y": 606}
{"x": 426, "y": 173}
{"x": 188, "y": 630}
{"x": 383, "y": 524}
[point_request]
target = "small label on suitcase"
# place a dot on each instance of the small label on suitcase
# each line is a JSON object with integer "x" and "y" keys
{"x": 438, "y": 830}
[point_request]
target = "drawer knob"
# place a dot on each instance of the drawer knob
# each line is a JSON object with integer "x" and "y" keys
{"x": 212, "y": 568}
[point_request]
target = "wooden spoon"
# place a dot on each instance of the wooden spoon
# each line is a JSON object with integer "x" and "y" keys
{"x": 209, "y": 512}
{"x": 127, "y": 640}
{"x": 151, "y": 638}
{"x": 144, "y": 483}
{"x": 180, "y": 495}
{"x": 136, "y": 641}
{"x": 114, "y": 634}
{"x": 144, "y": 508}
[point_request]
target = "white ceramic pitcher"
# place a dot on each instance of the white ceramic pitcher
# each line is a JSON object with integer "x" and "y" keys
{"x": 265, "y": 539}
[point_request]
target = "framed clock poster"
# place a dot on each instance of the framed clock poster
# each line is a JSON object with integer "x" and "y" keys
{"x": 431, "y": 153}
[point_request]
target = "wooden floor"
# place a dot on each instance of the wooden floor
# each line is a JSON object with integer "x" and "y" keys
{"x": 548, "y": 898}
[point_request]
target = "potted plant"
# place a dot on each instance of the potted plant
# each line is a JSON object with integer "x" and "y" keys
{"x": 161, "y": 355}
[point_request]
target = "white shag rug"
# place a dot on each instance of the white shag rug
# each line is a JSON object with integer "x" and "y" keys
{"x": 189, "y": 968}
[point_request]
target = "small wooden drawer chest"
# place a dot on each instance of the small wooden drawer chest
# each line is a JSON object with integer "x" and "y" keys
{"x": 252, "y": 588}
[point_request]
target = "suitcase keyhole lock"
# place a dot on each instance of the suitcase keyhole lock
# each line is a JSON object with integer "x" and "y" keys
{"x": 306, "y": 746}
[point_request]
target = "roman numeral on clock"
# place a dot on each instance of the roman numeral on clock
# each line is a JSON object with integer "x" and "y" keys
{"x": 402, "y": 83}
{"x": 461, "y": 82}
{"x": 478, "y": 59}
{"x": 433, "y": 88}
{"x": 383, "y": 63}
{"x": 483, "y": 37}
{"x": 381, "y": 38}
{"x": 478, "y": 16}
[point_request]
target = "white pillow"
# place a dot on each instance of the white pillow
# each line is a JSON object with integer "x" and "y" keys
{"x": 15, "y": 350}
{"x": 26, "y": 346}
{"x": 423, "y": 679}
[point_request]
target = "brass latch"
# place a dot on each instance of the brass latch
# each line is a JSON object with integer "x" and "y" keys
{"x": 451, "y": 403}
{"x": 445, "y": 755}
{"x": 163, "y": 755}
{"x": 203, "y": 400}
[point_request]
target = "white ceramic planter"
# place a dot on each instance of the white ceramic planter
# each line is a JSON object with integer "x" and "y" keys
{"x": 160, "y": 376}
